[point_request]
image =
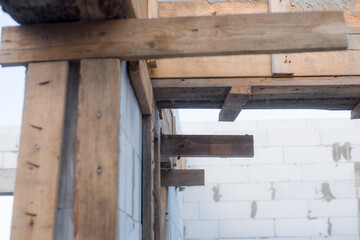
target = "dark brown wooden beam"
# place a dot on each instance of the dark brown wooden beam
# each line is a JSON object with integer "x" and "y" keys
{"x": 207, "y": 145}
{"x": 135, "y": 39}
{"x": 194, "y": 177}
{"x": 234, "y": 102}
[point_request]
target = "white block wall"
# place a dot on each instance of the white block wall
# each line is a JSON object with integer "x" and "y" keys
{"x": 302, "y": 183}
{"x": 9, "y": 146}
{"x": 129, "y": 161}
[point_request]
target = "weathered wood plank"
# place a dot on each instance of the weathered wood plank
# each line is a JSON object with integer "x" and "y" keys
{"x": 148, "y": 177}
{"x": 270, "y": 96}
{"x": 256, "y": 81}
{"x": 281, "y": 64}
{"x": 355, "y": 113}
{"x": 306, "y": 64}
{"x": 176, "y": 37}
{"x": 96, "y": 192}
{"x": 234, "y": 102}
{"x": 312, "y": 103}
{"x": 207, "y": 145}
{"x": 141, "y": 82}
{"x": 39, "y": 163}
{"x": 193, "y": 177}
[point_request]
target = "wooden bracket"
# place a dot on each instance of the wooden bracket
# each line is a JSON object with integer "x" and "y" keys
{"x": 207, "y": 145}
{"x": 183, "y": 177}
{"x": 234, "y": 102}
{"x": 355, "y": 113}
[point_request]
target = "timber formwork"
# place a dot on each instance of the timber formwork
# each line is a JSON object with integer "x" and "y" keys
{"x": 79, "y": 62}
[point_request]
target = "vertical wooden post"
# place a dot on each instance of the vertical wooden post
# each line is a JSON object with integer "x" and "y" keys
{"x": 39, "y": 164}
{"x": 147, "y": 180}
{"x": 96, "y": 191}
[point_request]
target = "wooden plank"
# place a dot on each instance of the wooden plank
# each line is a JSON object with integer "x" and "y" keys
{"x": 96, "y": 191}
{"x": 207, "y": 145}
{"x": 234, "y": 102}
{"x": 281, "y": 64}
{"x": 175, "y": 37}
{"x": 147, "y": 177}
{"x": 39, "y": 162}
{"x": 194, "y": 177}
{"x": 355, "y": 113}
{"x": 222, "y": 66}
{"x": 256, "y": 81}
{"x": 141, "y": 82}
{"x": 305, "y": 64}
{"x": 213, "y": 97}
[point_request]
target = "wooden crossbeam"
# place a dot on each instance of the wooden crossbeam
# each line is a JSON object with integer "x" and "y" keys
{"x": 135, "y": 39}
{"x": 234, "y": 101}
{"x": 207, "y": 145}
{"x": 256, "y": 81}
{"x": 194, "y": 177}
{"x": 355, "y": 113}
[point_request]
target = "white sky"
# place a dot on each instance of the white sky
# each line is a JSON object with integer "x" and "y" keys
{"x": 12, "y": 81}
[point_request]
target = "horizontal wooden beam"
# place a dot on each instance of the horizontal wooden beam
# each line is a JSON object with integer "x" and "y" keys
{"x": 207, "y": 145}
{"x": 135, "y": 39}
{"x": 255, "y": 81}
{"x": 194, "y": 177}
{"x": 355, "y": 113}
{"x": 305, "y": 64}
{"x": 234, "y": 101}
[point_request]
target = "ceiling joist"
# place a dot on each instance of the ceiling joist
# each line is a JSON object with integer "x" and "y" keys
{"x": 234, "y": 101}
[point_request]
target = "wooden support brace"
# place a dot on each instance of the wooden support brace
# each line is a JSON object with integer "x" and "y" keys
{"x": 234, "y": 101}
{"x": 97, "y": 157}
{"x": 135, "y": 39}
{"x": 39, "y": 164}
{"x": 355, "y": 113}
{"x": 281, "y": 64}
{"x": 140, "y": 78}
{"x": 194, "y": 177}
{"x": 207, "y": 145}
{"x": 148, "y": 177}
